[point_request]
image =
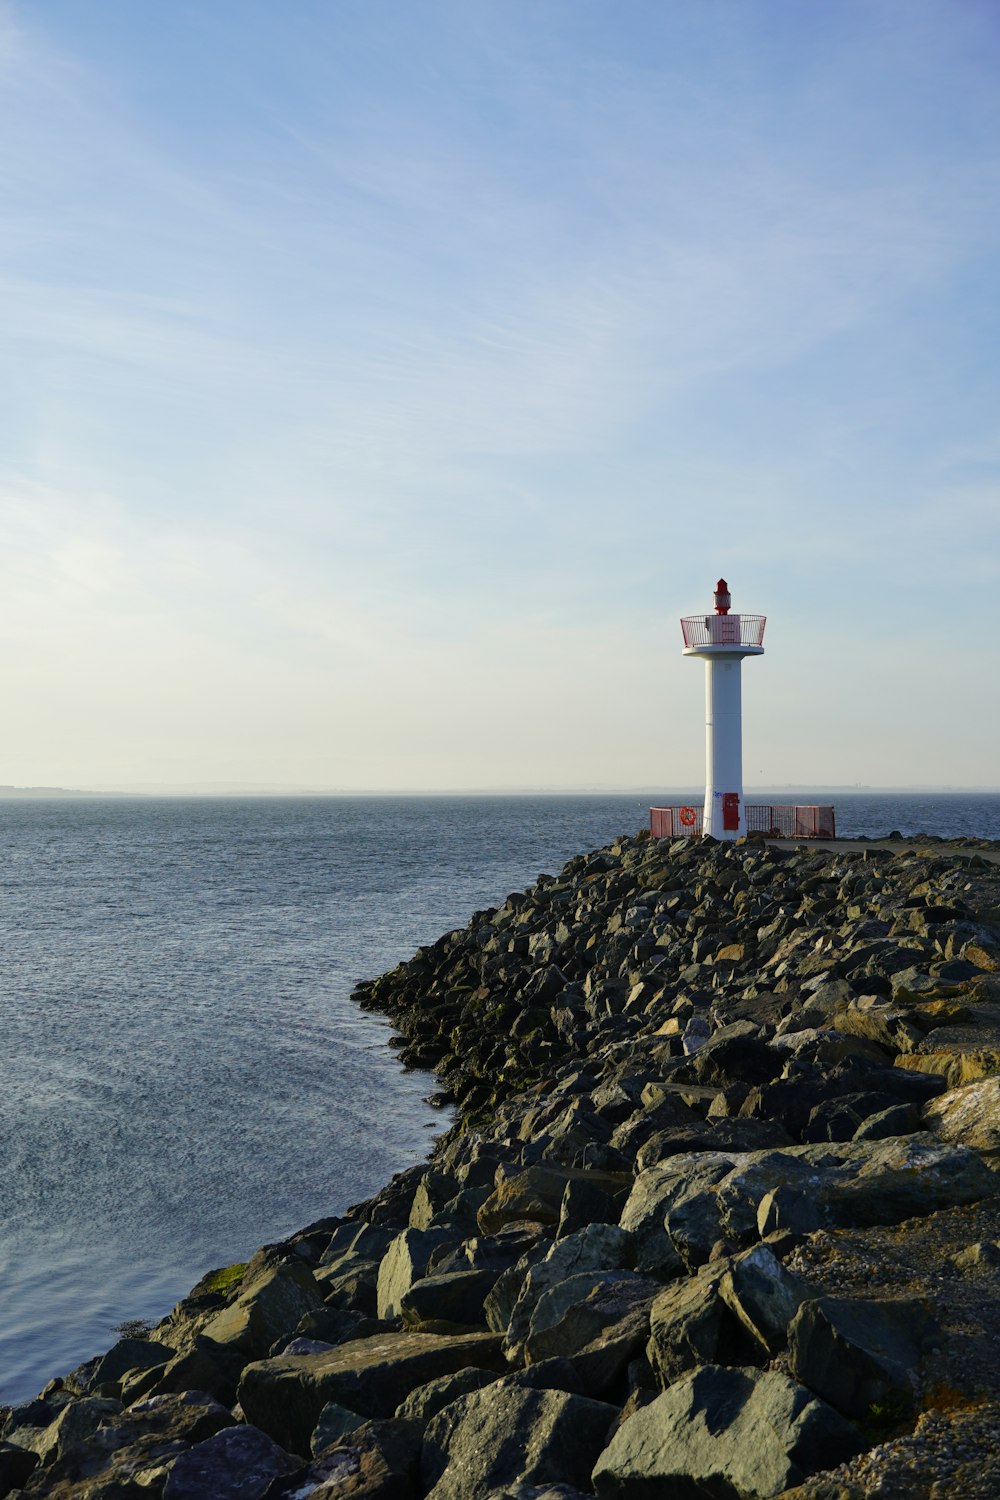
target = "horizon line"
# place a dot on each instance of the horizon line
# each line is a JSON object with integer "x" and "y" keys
{"x": 153, "y": 789}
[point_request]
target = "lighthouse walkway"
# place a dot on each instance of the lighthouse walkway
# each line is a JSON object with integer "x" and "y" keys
{"x": 941, "y": 848}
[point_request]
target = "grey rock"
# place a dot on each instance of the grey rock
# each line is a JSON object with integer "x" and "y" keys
{"x": 268, "y": 1304}
{"x": 434, "y": 1190}
{"x": 499, "y": 1305}
{"x": 369, "y": 1241}
{"x": 969, "y": 1115}
{"x": 859, "y": 1355}
{"x": 238, "y": 1463}
{"x": 377, "y": 1461}
{"x": 427, "y": 1400}
{"x": 723, "y": 1434}
{"x": 598, "y": 1247}
{"x": 333, "y": 1423}
{"x": 204, "y": 1366}
{"x": 77, "y": 1424}
{"x": 350, "y": 1283}
{"x": 653, "y": 1194}
{"x": 16, "y": 1466}
{"x": 455, "y": 1298}
{"x": 575, "y": 1312}
{"x": 505, "y": 1434}
{"x": 982, "y": 1256}
{"x": 764, "y": 1296}
{"x": 690, "y": 1325}
{"x": 404, "y": 1263}
{"x": 899, "y": 1119}
{"x": 126, "y": 1356}
{"x": 372, "y": 1377}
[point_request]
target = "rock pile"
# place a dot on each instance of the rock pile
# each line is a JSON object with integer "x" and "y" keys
{"x": 681, "y": 1071}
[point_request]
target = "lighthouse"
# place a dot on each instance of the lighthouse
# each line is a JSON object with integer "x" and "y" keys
{"x": 723, "y": 640}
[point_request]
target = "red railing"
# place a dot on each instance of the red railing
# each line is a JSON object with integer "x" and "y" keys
{"x": 675, "y": 822}
{"x": 783, "y": 822}
{"x": 790, "y": 822}
{"x": 723, "y": 630}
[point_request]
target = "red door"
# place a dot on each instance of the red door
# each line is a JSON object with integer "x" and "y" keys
{"x": 731, "y": 811}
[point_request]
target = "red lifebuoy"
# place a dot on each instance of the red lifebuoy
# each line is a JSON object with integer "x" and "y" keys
{"x": 688, "y": 816}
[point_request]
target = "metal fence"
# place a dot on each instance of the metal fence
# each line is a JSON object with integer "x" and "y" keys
{"x": 777, "y": 821}
{"x": 675, "y": 822}
{"x": 723, "y": 630}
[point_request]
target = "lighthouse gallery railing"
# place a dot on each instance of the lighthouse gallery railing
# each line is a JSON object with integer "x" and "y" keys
{"x": 723, "y": 630}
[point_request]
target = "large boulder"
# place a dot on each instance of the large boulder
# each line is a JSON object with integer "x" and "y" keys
{"x": 373, "y": 1376}
{"x": 404, "y": 1263}
{"x": 535, "y": 1194}
{"x": 427, "y": 1400}
{"x": 378, "y": 1461}
{"x": 596, "y": 1248}
{"x": 447, "y": 1303}
{"x": 690, "y": 1325}
{"x": 763, "y": 1296}
{"x": 203, "y": 1366}
{"x": 496, "y": 1437}
{"x": 77, "y": 1425}
{"x": 335, "y": 1422}
{"x": 655, "y": 1192}
{"x": 850, "y": 1184}
{"x": 268, "y": 1304}
{"x": 127, "y": 1357}
{"x": 969, "y": 1115}
{"x": 238, "y": 1463}
{"x": 724, "y": 1434}
{"x": 139, "y": 1441}
{"x": 861, "y": 1356}
{"x": 16, "y": 1467}
{"x": 575, "y": 1312}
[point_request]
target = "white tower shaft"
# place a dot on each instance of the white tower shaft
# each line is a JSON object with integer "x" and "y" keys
{"x": 724, "y": 749}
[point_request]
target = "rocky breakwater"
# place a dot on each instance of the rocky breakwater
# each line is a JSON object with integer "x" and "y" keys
{"x": 718, "y": 1217}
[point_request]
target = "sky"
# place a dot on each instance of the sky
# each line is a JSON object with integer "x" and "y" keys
{"x": 381, "y": 380}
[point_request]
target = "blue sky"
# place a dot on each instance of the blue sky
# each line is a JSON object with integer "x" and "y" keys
{"x": 383, "y": 378}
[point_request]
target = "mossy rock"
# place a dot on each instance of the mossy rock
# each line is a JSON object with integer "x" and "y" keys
{"x": 223, "y": 1282}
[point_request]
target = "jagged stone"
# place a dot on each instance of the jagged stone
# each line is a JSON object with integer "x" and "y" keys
{"x": 404, "y": 1263}
{"x": 427, "y": 1400}
{"x": 372, "y": 1377}
{"x": 969, "y": 1115}
{"x": 723, "y": 1433}
{"x": 377, "y": 1461}
{"x": 860, "y": 1356}
{"x": 572, "y": 1314}
{"x": 536, "y": 1194}
{"x": 597, "y": 1248}
{"x": 16, "y": 1466}
{"x": 238, "y": 1463}
{"x": 764, "y": 1296}
{"x": 334, "y": 1422}
{"x": 507, "y": 1434}
{"x": 267, "y": 1305}
{"x": 456, "y": 1297}
{"x": 653, "y": 1193}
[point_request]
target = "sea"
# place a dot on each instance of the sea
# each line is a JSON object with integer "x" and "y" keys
{"x": 184, "y": 1074}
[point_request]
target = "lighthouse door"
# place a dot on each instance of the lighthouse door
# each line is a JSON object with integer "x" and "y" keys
{"x": 730, "y": 810}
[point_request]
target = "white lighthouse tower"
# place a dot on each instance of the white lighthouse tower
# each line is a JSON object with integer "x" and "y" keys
{"x": 723, "y": 639}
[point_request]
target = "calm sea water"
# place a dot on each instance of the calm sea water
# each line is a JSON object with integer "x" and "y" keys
{"x": 184, "y": 1077}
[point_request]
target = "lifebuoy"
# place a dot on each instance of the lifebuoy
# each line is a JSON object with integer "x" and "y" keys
{"x": 688, "y": 816}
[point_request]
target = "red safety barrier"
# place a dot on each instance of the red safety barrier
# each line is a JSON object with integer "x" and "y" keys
{"x": 777, "y": 821}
